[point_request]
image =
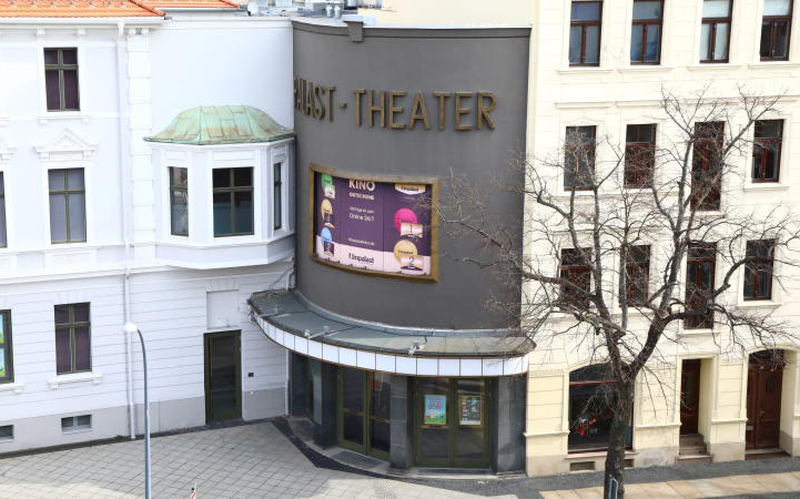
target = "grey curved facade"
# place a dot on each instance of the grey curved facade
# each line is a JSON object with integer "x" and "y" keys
{"x": 482, "y": 72}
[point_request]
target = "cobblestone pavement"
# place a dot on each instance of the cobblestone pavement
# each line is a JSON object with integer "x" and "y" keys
{"x": 257, "y": 460}
{"x": 240, "y": 462}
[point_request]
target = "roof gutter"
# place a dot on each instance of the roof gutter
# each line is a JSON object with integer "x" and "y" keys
{"x": 82, "y": 21}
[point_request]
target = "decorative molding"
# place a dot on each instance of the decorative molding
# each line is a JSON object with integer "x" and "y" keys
{"x": 66, "y": 379}
{"x": 556, "y": 433}
{"x": 67, "y": 143}
{"x": 15, "y": 387}
{"x": 6, "y": 151}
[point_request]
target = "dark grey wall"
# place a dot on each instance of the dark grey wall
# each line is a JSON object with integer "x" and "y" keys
{"x": 483, "y": 60}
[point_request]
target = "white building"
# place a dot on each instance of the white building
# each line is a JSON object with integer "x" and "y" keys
{"x": 86, "y": 235}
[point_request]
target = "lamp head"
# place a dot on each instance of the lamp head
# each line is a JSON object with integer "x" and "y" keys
{"x": 130, "y": 328}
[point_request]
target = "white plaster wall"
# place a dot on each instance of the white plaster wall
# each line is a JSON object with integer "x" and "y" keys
{"x": 250, "y": 60}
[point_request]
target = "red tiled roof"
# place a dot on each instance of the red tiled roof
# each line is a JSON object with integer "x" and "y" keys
{"x": 194, "y": 4}
{"x": 77, "y": 8}
{"x": 103, "y": 8}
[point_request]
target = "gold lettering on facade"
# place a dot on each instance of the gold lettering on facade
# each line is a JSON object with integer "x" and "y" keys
{"x": 419, "y": 112}
{"x": 461, "y": 111}
{"x": 442, "y": 96}
{"x": 373, "y": 108}
{"x": 484, "y": 110}
{"x": 395, "y": 110}
{"x": 358, "y": 93}
{"x": 318, "y": 101}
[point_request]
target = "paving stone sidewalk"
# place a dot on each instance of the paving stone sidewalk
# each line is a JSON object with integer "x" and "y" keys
{"x": 258, "y": 460}
{"x": 240, "y": 462}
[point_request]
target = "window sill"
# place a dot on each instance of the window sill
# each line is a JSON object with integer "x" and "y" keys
{"x": 758, "y": 303}
{"x": 774, "y": 65}
{"x": 696, "y": 332}
{"x": 9, "y": 387}
{"x": 66, "y": 379}
{"x": 573, "y": 70}
{"x": 714, "y": 66}
{"x": 765, "y": 186}
{"x": 645, "y": 68}
{"x": 63, "y": 115}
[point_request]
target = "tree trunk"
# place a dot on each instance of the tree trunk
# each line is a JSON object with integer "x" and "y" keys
{"x": 615, "y": 458}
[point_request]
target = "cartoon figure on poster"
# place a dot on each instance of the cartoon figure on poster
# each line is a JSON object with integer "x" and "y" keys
{"x": 471, "y": 410}
{"x": 327, "y": 241}
{"x": 435, "y": 410}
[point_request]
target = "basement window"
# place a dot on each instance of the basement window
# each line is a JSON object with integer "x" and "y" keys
{"x": 74, "y": 424}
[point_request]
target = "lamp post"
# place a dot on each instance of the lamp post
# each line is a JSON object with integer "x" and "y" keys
{"x": 130, "y": 328}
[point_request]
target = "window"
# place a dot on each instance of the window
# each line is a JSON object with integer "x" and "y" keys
{"x": 758, "y": 270}
{"x": 700, "y": 267}
{"x": 179, "y": 201}
{"x": 6, "y": 357}
{"x": 73, "y": 338}
{"x": 76, "y": 423}
{"x": 584, "y": 33}
{"x": 592, "y": 402}
{"x": 715, "y": 31}
{"x": 577, "y": 274}
{"x": 775, "y": 28}
{"x": 3, "y": 236}
{"x": 6, "y": 433}
{"x": 67, "y": 206}
{"x": 707, "y": 165}
{"x": 637, "y": 275}
{"x": 61, "y": 79}
{"x": 767, "y": 150}
{"x": 233, "y": 201}
{"x": 646, "y": 31}
{"x": 277, "y": 196}
{"x": 579, "y": 152}
{"x": 640, "y": 155}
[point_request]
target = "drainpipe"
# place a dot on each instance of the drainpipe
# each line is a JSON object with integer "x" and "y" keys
{"x": 286, "y": 285}
{"x": 126, "y": 207}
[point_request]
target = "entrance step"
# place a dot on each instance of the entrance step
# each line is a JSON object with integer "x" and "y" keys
{"x": 693, "y": 458}
{"x": 693, "y": 439}
{"x": 775, "y": 453}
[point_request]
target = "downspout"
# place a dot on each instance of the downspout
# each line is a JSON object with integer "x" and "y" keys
{"x": 126, "y": 207}
{"x": 287, "y": 285}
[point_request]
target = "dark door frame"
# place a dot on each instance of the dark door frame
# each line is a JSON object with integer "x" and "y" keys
{"x": 237, "y": 334}
{"x": 757, "y": 375}
{"x": 690, "y": 409}
{"x": 452, "y": 461}
{"x": 366, "y": 447}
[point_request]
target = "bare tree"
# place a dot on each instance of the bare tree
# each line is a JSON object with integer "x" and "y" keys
{"x": 622, "y": 254}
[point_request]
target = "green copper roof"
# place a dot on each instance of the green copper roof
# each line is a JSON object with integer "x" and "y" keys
{"x": 208, "y": 125}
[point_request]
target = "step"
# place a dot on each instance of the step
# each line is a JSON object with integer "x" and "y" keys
{"x": 692, "y": 450}
{"x": 693, "y": 439}
{"x": 694, "y": 459}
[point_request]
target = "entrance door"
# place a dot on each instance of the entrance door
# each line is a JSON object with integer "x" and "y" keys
{"x": 364, "y": 411}
{"x": 451, "y": 423}
{"x": 223, "y": 376}
{"x": 764, "y": 383}
{"x": 690, "y": 396}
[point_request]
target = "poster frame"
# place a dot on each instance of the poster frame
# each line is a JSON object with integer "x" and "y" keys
{"x": 315, "y": 168}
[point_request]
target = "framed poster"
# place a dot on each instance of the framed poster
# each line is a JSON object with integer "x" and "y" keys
{"x": 471, "y": 407}
{"x": 382, "y": 226}
{"x": 435, "y": 410}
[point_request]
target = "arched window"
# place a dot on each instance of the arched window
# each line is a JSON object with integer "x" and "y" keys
{"x": 592, "y": 401}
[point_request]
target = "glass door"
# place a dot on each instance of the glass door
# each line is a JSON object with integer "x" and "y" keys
{"x": 451, "y": 423}
{"x": 365, "y": 412}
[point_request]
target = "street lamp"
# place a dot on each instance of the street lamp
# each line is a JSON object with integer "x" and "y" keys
{"x": 130, "y": 328}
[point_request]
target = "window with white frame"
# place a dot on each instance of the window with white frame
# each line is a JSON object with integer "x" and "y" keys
{"x": 277, "y": 195}
{"x": 3, "y": 232}
{"x": 67, "y": 205}
{"x": 233, "y": 201}
{"x": 179, "y": 201}
{"x": 76, "y": 423}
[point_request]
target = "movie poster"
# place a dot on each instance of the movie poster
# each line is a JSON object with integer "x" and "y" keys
{"x": 372, "y": 225}
{"x": 435, "y": 410}
{"x": 471, "y": 410}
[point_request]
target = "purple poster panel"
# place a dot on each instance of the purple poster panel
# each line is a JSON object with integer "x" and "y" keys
{"x": 372, "y": 225}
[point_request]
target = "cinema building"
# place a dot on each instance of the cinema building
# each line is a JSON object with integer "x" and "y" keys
{"x": 392, "y": 351}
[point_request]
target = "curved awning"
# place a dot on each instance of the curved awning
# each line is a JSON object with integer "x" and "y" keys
{"x": 289, "y": 320}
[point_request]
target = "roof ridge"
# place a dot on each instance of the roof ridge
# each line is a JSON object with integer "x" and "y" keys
{"x": 146, "y": 6}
